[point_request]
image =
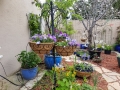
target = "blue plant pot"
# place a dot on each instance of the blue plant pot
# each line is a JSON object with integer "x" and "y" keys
{"x": 117, "y": 47}
{"x": 29, "y": 74}
{"x": 49, "y": 61}
{"x": 82, "y": 46}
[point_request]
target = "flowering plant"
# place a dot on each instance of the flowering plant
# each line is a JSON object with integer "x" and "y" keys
{"x": 107, "y": 47}
{"x": 43, "y": 38}
{"x": 67, "y": 42}
{"x": 60, "y": 34}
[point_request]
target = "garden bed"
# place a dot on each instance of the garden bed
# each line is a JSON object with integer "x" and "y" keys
{"x": 109, "y": 62}
{"x": 102, "y": 84}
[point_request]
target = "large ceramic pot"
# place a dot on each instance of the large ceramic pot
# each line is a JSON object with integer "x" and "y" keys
{"x": 42, "y": 48}
{"x": 65, "y": 51}
{"x": 49, "y": 61}
{"x": 117, "y": 47}
{"x": 29, "y": 74}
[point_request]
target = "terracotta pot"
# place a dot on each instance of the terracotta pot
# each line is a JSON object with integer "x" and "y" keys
{"x": 83, "y": 74}
{"x": 42, "y": 48}
{"x": 65, "y": 51}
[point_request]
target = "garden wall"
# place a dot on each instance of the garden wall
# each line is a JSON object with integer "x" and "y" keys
{"x": 106, "y": 37}
{"x": 14, "y": 32}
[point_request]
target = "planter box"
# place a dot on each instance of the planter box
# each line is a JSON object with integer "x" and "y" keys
{"x": 107, "y": 51}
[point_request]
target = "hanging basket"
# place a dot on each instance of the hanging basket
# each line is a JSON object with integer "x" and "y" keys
{"x": 83, "y": 74}
{"x": 65, "y": 51}
{"x": 42, "y": 48}
{"x": 83, "y": 40}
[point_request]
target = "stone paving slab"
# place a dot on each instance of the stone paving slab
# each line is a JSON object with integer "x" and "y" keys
{"x": 29, "y": 85}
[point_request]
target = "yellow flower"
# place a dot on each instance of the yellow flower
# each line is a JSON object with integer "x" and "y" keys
{"x": 67, "y": 74}
{"x": 74, "y": 73}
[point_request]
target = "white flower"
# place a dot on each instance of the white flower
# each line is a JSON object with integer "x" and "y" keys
{"x": 102, "y": 46}
{"x": 38, "y": 42}
{"x": 101, "y": 41}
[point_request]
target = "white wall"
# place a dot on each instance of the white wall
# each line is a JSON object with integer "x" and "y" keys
{"x": 78, "y": 26}
{"x": 14, "y": 32}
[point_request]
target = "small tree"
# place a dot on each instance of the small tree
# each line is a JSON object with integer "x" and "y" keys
{"x": 61, "y": 11}
{"x": 93, "y": 11}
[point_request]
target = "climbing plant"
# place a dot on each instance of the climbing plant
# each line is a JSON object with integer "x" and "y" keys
{"x": 34, "y": 24}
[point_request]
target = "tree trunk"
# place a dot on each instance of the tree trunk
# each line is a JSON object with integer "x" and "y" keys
{"x": 90, "y": 39}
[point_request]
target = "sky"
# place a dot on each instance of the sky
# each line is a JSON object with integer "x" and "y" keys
{"x": 42, "y": 1}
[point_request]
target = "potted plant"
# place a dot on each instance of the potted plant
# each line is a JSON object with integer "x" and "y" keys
{"x": 83, "y": 69}
{"x": 97, "y": 59}
{"x": 118, "y": 59}
{"x": 67, "y": 47}
{"x": 99, "y": 47}
{"x": 83, "y": 54}
{"x": 49, "y": 60}
{"x": 107, "y": 49}
{"x": 29, "y": 62}
{"x": 42, "y": 44}
{"x": 60, "y": 36}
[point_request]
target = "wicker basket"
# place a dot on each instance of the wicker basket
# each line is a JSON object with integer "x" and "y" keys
{"x": 83, "y": 40}
{"x": 65, "y": 51}
{"x": 83, "y": 74}
{"x": 42, "y": 48}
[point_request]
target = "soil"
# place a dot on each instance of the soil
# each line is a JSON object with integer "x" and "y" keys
{"x": 109, "y": 62}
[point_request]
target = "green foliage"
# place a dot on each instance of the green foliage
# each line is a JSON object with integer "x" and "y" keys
{"x": 85, "y": 86}
{"x": 68, "y": 28}
{"x": 62, "y": 43}
{"x": 76, "y": 17}
{"x": 118, "y": 39}
{"x": 107, "y": 47}
{"x": 82, "y": 52}
{"x": 116, "y": 5}
{"x": 28, "y": 59}
{"x": 60, "y": 14}
{"x": 66, "y": 79}
{"x": 34, "y": 24}
{"x": 95, "y": 80}
{"x": 84, "y": 67}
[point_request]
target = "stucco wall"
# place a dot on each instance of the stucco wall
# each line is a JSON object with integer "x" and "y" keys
{"x": 14, "y": 32}
{"x": 110, "y": 38}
